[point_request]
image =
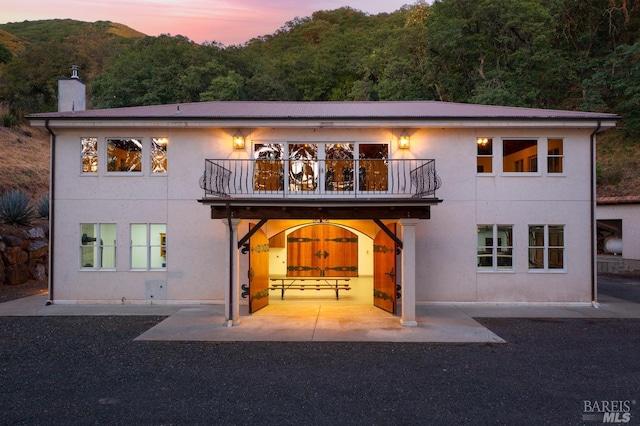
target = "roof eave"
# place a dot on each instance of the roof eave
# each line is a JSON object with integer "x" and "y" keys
{"x": 193, "y": 121}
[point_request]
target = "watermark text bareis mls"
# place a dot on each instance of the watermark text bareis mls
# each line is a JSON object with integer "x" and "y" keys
{"x": 611, "y": 411}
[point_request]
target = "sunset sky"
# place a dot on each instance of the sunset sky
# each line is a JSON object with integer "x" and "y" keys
{"x": 229, "y": 22}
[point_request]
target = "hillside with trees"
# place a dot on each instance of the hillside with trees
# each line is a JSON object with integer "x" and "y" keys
{"x": 566, "y": 54}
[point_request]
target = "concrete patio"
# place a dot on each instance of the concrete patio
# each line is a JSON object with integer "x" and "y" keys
{"x": 325, "y": 320}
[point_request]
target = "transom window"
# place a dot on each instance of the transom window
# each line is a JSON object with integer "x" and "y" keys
{"x": 520, "y": 156}
{"x": 495, "y": 247}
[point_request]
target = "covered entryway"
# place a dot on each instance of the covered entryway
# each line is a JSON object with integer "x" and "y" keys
{"x": 405, "y": 214}
{"x": 331, "y": 263}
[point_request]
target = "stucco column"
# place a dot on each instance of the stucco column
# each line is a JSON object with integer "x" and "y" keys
{"x": 408, "y": 268}
{"x": 232, "y": 282}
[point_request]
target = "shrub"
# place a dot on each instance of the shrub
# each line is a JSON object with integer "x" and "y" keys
{"x": 43, "y": 206}
{"x": 15, "y": 208}
{"x": 10, "y": 120}
{"x": 613, "y": 176}
{"x": 599, "y": 174}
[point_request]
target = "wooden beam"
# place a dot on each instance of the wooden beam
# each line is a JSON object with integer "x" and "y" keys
{"x": 317, "y": 212}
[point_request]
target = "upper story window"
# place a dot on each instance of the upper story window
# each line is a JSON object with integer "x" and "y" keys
{"x": 339, "y": 167}
{"x": 89, "y": 155}
{"x": 159, "y": 155}
{"x": 328, "y": 168}
{"x": 520, "y": 156}
{"x": 373, "y": 170}
{"x": 555, "y": 156}
{"x": 485, "y": 155}
{"x": 124, "y": 155}
{"x": 269, "y": 168}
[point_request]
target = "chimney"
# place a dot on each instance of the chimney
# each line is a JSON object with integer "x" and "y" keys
{"x": 72, "y": 93}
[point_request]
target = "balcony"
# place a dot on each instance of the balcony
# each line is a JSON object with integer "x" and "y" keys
{"x": 337, "y": 179}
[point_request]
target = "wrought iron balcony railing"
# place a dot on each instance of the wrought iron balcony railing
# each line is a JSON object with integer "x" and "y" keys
{"x": 360, "y": 178}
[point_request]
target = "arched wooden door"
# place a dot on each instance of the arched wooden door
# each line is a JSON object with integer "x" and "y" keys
{"x": 322, "y": 251}
{"x": 384, "y": 271}
{"x": 258, "y": 271}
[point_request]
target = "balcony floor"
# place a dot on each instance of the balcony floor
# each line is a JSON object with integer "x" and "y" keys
{"x": 320, "y": 208}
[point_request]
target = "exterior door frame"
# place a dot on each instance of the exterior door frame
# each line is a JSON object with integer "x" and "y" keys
{"x": 407, "y": 266}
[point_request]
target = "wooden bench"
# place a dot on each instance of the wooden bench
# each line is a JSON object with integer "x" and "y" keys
{"x": 310, "y": 283}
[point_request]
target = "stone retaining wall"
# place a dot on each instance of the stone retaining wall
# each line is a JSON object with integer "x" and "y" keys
{"x": 24, "y": 257}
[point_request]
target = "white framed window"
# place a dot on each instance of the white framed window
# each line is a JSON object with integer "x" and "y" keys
{"x": 159, "y": 155}
{"x": 555, "y": 156}
{"x": 148, "y": 246}
{"x": 546, "y": 248}
{"x": 520, "y": 156}
{"x": 98, "y": 246}
{"x": 89, "y": 153}
{"x": 485, "y": 155}
{"x": 124, "y": 155}
{"x": 495, "y": 248}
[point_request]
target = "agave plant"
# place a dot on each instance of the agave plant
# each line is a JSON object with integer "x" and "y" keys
{"x": 43, "y": 206}
{"x": 15, "y": 208}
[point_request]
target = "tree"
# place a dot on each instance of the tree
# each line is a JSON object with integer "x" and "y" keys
{"x": 5, "y": 54}
{"x": 496, "y": 51}
{"x": 225, "y": 88}
{"x": 615, "y": 86}
{"x": 150, "y": 72}
{"x": 29, "y": 81}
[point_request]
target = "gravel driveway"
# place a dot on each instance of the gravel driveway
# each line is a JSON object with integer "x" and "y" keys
{"x": 88, "y": 370}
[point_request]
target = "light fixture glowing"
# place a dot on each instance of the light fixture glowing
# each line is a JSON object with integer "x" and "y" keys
{"x": 482, "y": 141}
{"x": 238, "y": 140}
{"x": 404, "y": 140}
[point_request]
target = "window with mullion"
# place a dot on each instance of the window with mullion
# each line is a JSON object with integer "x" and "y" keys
{"x": 495, "y": 248}
{"x": 555, "y": 156}
{"x": 98, "y": 246}
{"x": 485, "y": 155}
{"x": 546, "y": 247}
{"x": 148, "y": 246}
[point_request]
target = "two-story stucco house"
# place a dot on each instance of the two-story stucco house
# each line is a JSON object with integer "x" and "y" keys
{"x": 388, "y": 203}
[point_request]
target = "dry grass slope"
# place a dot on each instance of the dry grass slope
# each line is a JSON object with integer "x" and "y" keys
{"x": 618, "y": 158}
{"x": 24, "y": 160}
{"x": 12, "y": 42}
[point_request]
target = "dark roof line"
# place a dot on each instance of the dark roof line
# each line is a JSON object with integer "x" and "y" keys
{"x": 370, "y": 110}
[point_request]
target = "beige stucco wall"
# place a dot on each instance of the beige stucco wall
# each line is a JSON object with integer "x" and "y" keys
{"x": 197, "y": 268}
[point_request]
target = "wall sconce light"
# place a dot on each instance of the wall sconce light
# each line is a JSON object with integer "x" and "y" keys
{"x": 238, "y": 140}
{"x": 404, "y": 140}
